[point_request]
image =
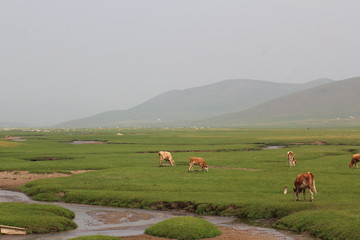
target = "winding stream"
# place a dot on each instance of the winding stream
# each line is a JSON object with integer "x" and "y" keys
{"x": 98, "y": 220}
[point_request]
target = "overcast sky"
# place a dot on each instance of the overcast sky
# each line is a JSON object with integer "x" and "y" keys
{"x": 66, "y": 59}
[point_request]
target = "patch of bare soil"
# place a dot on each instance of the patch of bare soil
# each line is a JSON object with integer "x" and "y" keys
{"x": 228, "y": 233}
{"x": 120, "y": 217}
{"x": 10, "y": 180}
{"x": 319, "y": 142}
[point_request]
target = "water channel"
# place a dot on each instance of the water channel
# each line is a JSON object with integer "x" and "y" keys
{"x": 125, "y": 222}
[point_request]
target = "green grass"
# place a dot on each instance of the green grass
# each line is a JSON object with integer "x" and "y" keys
{"x": 36, "y": 218}
{"x": 127, "y": 172}
{"x": 185, "y": 228}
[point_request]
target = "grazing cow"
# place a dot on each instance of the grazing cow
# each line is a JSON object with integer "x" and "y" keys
{"x": 354, "y": 160}
{"x": 305, "y": 181}
{"x": 198, "y": 161}
{"x": 291, "y": 159}
{"x": 163, "y": 155}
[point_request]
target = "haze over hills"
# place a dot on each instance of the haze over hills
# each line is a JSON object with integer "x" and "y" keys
{"x": 179, "y": 107}
{"x": 12, "y": 124}
{"x": 335, "y": 103}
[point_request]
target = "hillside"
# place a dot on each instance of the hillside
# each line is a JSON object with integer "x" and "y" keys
{"x": 334, "y": 103}
{"x": 176, "y": 107}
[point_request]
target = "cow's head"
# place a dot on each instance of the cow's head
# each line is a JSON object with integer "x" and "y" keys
{"x": 205, "y": 167}
{"x": 350, "y": 164}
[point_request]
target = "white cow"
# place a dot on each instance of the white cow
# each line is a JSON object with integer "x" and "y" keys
{"x": 291, "y": 159}
{"x": 163, "y": 155}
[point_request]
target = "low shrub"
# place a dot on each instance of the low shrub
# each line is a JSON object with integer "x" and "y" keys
{"x": 184, "y": 228}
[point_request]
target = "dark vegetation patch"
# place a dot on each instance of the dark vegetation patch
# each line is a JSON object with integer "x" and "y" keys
{"x": 47, "y": 158}
{"x": 333, "y": 154}
{"x": 353, "y": 150}
{"x": 249, "y": 211}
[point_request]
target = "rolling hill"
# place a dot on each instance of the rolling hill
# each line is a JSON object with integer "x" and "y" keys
{"x": 336, "y": 103}
{"x": 179, "y": 107}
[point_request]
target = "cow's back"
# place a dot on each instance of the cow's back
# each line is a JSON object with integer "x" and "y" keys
{"x": 356, "y": 157}
{"x": 196, "y": 160}
{"x": 165, "y": 155}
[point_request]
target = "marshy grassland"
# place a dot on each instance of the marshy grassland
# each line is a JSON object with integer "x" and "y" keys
{"x": 244, "y": 180}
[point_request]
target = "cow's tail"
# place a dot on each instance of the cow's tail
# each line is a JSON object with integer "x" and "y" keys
{"x": 313, "y": 186}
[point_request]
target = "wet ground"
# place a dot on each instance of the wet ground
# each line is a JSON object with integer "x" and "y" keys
{"x": 131, "y": 223}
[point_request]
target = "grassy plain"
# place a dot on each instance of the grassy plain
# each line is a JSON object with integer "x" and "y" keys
{"x": 243, "y": 179}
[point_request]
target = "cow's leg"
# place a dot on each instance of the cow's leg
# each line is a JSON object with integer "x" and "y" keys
{"x": 304, "y": 195}
{"x": 292, "y": 163}
{"x": 190, "y": 167}
{"x": 356, "y": 164}
{"x": 311, "y": 195}
{"x": 160, "y": 162}
{"x": 297, "y": 195}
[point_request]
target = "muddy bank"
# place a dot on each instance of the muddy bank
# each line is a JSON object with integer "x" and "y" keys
{"x": 10, "y": 180}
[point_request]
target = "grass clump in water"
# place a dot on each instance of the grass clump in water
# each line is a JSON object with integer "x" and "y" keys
{"x": 184, "y": 228}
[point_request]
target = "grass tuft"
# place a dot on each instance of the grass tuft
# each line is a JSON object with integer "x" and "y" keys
{"x": 184, "y": 228}
{"x": 36, "y": 218}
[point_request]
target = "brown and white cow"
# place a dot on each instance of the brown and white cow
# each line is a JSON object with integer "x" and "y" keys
{"x": 354, "y": 160}
{"x": 165, "y": 156}
{"x": 305, "y": 181}
{"x": 291, "y": 159}
{"x": 198, "y": 161}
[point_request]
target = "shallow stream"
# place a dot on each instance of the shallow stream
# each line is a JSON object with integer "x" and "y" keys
{"x": 98, "y": 220}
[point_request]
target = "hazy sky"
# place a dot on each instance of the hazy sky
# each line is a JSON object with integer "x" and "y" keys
{"x": 66, "y": 59}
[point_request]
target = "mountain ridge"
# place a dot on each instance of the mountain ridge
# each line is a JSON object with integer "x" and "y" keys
{"x": 177, "y": 106}
{"x": 329, "y": 102}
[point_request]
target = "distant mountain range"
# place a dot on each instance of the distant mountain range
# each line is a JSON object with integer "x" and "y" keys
{"x": 336, "y": 103}
{"x": 231, "y": 102}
